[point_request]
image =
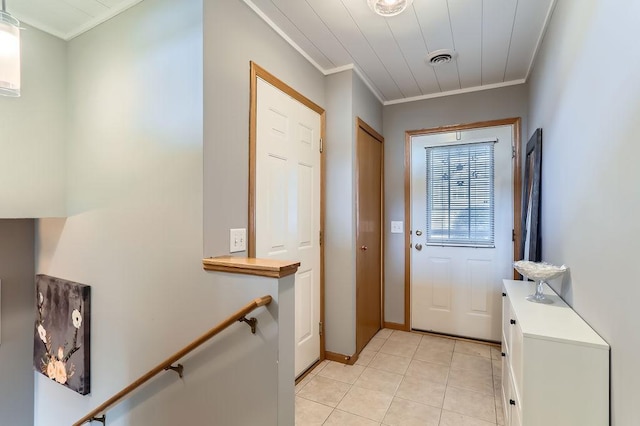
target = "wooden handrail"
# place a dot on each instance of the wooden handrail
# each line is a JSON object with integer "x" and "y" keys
{"x": 167, "y": 363}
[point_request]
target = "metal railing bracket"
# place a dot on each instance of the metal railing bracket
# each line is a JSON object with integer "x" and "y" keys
{"x": 102, "y": 419}
{"x": 251, "y": 322}
{"x": 177, "y": 368}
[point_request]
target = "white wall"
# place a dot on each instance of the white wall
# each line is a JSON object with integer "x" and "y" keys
{"x": 17, "y": 316}
{"x": 233, "y": 36}
{"x": 33, "y": 132}
{"x": 588, "y": 108}
{"x": 467, "y": 108}
{"x": 135, "y": 233}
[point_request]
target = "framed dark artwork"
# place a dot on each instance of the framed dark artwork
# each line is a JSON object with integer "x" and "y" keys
{"x": 531, "y": 243}
{"x": 62, "y": 343}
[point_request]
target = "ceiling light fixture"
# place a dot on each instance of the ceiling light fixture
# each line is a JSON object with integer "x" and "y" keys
{"x": 9, "y": 54}
{"x": 388, "y": 8}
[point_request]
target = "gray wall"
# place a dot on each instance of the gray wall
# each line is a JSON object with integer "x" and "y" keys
{"x": 135, "y": 234}
{"x": 32, "y": 164}
{"x": 33, "y": 173}
{"x": 588, "y": 110}
{"x": 233, "y": 36}
{"x": 17, "y": 316}
{"x": 340, "y": 272}
{"x": 366, "y": 105}
{"x": 347, "y": 98}
{"x": 479, "y": 106}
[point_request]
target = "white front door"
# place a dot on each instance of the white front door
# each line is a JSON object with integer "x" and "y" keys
{"x": 462, "y": 221}
{"x": 288, "y": 204}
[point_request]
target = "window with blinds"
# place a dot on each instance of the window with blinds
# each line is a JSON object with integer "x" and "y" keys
{"x": 460, "y": 195}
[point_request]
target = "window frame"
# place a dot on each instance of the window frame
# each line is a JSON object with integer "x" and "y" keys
{"x": 457, "y": 242}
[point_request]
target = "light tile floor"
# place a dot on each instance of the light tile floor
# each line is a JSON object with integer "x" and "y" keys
{"x": 408, "y": 379}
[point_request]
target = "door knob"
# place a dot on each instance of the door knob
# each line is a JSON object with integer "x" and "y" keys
{"x": 418, "y": 247}
{"x": 364, "y": 248}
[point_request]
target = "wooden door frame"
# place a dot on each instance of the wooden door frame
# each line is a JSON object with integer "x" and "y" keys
{"x": 361, "y": 124}
{"x": 516, "y": 122}
{"x": 256, "y": 72}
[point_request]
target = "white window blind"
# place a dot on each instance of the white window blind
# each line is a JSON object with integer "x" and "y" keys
{"x": 460, "y": 199}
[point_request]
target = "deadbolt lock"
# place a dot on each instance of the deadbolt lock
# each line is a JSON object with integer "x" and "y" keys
{"x": 418, "y": 233}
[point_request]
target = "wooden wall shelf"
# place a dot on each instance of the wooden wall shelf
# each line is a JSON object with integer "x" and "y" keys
{"x": 251, "y": 266}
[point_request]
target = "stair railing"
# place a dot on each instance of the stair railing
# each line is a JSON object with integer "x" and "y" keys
{"x": 168, "y": 364}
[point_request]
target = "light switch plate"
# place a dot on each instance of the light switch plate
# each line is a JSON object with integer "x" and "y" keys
{"x": 237, "y": 240}
{"x": 397, "y": 227}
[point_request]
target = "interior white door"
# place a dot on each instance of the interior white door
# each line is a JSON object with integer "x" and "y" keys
{"x": 288, "y": 204}
{"x": 455, "y": 286}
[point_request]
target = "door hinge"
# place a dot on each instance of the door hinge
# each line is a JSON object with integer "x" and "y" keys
{"x": 513, "y": 235}
{"x": 321, "y": 145}
{"x": 320, "y": 238}
{"x": 320, "y": 328}
{"x": 513, "y": 151}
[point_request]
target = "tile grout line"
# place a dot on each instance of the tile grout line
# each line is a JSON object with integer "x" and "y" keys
{"x": 396, "y": 390}
{"x": 446, "y": 384}
{"x": 343, "y": 397}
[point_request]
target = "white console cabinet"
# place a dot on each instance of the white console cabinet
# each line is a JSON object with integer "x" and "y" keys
{"x": 555, "y": 368}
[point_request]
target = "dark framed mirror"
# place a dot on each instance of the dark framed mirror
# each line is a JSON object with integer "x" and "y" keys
{"x": 531, "y": 243}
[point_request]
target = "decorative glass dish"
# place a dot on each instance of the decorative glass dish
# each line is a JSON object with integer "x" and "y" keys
{"x": 540, "y": 272}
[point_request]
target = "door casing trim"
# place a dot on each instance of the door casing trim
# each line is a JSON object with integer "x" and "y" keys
{"x": 516, "y": 123}
{"x": 256, "y": 71}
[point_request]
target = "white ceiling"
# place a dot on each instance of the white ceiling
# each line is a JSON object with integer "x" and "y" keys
{"x": 496, "y": 40}
{"x": 66, "y": 19}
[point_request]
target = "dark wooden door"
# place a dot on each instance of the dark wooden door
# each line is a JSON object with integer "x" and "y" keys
{"x": 368, "y": 235}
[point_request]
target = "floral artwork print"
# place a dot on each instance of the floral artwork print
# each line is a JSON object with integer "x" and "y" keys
{"x": 61, "y": 338}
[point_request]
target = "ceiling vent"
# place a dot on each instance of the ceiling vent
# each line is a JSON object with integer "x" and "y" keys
{"x": 441, "y": 57}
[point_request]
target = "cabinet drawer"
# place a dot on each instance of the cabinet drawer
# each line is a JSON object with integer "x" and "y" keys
{"x": 516, "y": 357}
{"x": 510, "y": 402}
{"x": 506, "y": 327}
{"x": 506, "y": 393}
{"x": 516, "y": 415}
{"x": 515, "y": 406}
